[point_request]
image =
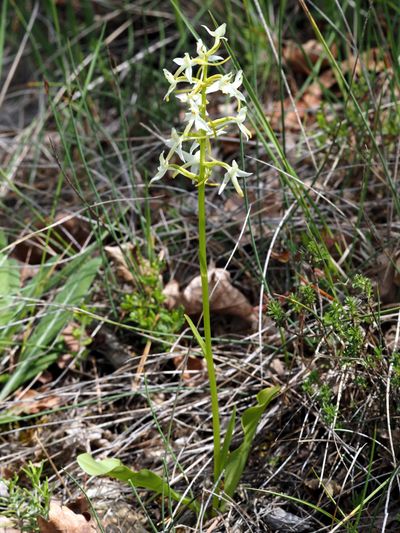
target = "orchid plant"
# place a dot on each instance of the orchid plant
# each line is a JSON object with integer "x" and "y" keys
{"x": 198, "y": 164}
{"x": 192, "y": 83}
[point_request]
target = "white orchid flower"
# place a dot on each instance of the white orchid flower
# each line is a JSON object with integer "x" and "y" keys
{"x": 162, "y": 168}
{"x": 201, "y": 49}
{"x": 194, "y": 116}
{"x": 172, "y": 83}
{"x": 186, "y": 98}
{"x": 175, "y": 144}
{"x": 239, "y": 119}
{"x": 199, "y": 123}
{"x": 199, "y": 128}
{"x": 227, "y": 87}
{"x": 202, "y": 53}
{"x": 232, "y": 175}
{"x": 218, "y": 33}
{"x": 186, "y": 64}
{"x": 193, "y": 160}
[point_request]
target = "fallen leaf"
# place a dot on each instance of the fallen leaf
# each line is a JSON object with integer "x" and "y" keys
{"x": 71, "y": 341}
{"x": 63, "y": 519}
{"x": 29, "y": 403}
{"x": 6, "y": 525}
{"x": 224, "y": 297}
{"x": 396, "y": 278}
{"x": 384, "y": 273}
{"x": 282, "y": 257}
{"x": 118, "y": 255}
{"x": 329, "y": 486}
{"x": 277, "y": 366}
{"x": 172, "y": 294}
{"x": 302, "y": 58}
{"x": 194, "y": 368}
{"x": 123, "y": 255}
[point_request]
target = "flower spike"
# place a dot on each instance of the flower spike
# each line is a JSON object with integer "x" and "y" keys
{"x": 192, "y": 72}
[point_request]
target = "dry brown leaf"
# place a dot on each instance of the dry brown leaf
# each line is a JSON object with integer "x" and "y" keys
{"x": 397, "y": 270}
{"x": 297, "y": 56}
{"x": 172, "y": 294}
{"x": 384, "y": 273}
{"x": 63, "y": 519}
{"x": 30, "y": 404}
{"x": 71, "y": 341}
{"x": 224, "y": 297}
{"x": 117, "y": 254}
{"x": 277, "y": 366}
{"x": 327, "y": 485}
{"x": 282, "y": 257}
{"x": 194, "y": 368}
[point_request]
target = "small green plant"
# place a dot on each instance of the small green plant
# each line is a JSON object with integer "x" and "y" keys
{"x": 24, "y": 501}
{"x": 276, "y": 312}
{"x": 38, "y": 349}
{"x": 146, "y": 305}
{"x": 199, "y": 166}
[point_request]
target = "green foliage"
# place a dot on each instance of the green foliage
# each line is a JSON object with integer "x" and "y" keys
{"x": 35, "y": 355}
{"x": 9, "y": 287}
{"x": 237, "y": 459}
{"x": 24, "y": 502}
{"x": 276, "y": 312}
{"x": 348, "y": 125}
{"x": 325, "y": 399}
{"x": 317, "y": 252}
{"x": 322, "y": 394}
{"x": 363, "y": 284}
{"x": 233, "y": 463}
{"x": 303, "y": 299}
{"x": 345, "y": 322}
{"x": 144, "y": 478}
{"x": 396, "y": 370}
{"x": 146, "y": 306}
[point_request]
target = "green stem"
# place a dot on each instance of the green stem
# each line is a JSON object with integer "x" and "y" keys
{"x": 205, "y": 294}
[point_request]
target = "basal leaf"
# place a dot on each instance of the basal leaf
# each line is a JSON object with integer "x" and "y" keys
{"x": 238, "y": 458}
{"x": 145, "y": 479}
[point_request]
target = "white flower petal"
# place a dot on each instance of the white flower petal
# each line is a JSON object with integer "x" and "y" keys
{"x": 162, "y": 168}
{"x": 218, "y": 33}
{"x": 232, "y": 174}
{"x": 245, "y": 131}
{"x": 172, "y": 81}
{"x": 175, "y": 144}
{"x": 215, "y": 58}
{"x": 224, "y": 184}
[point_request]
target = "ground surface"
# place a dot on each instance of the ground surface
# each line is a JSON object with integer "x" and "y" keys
{"x": 96, "y": 268}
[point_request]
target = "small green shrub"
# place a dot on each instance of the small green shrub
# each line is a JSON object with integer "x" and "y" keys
{"x": 145, "y": 307}
{"x": 23, "y": 501}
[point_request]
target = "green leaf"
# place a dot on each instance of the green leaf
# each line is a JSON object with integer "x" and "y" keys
{"x": 228, "y": 439}
{"x": 238, "y": 458}
{"x": 9, "y": 287}
{"x": 145, "y": 479}
{"x": 35, "y": 351}
{"x": 196, "y": 333}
